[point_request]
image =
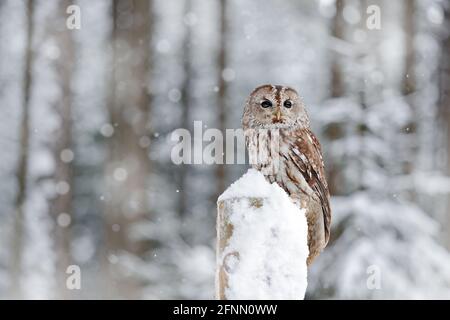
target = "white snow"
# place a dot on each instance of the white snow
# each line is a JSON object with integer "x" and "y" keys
{"x": 271, "y": 241}
{"x": 251, "y": 184}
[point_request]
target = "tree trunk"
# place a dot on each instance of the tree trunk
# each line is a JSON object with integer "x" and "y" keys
{"x": 224, "y": 233}
{"x": 223, "y": 88}
{"x": 61, "y": 206}
{"x": 337, "y": 85}
{"x": 274, "y": 276}
{"x": 409, "y": 83}
{"x": 186, "y": 105}
{"x": 409, "y": 87}
{"x": 128, "y": 165}
{"x": 337, "y": 90}
{"x": 444, "y": 99}
{"x": 22, "y": 168}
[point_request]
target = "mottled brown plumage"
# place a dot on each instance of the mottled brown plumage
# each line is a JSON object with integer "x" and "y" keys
{"x": 282, "y": 146}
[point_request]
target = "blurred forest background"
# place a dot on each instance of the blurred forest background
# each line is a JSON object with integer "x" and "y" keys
{"x": 86, "y": 115}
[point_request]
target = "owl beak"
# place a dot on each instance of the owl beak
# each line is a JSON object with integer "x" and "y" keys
{"x": 278, "y": 114}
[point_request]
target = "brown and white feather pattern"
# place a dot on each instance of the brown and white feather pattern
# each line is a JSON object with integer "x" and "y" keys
{"x": 291, "y": 156}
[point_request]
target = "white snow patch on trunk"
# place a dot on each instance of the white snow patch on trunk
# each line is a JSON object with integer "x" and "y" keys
{"x": 270, "y": 239}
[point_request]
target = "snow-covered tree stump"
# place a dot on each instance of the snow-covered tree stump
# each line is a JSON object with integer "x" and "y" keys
{"x": 261, "y": 242}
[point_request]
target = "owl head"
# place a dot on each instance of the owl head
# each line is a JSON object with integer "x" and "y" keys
{"x": 274, "y": 106}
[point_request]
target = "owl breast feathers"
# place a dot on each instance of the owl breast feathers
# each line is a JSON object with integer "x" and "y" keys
{"x": 282, "y": 147}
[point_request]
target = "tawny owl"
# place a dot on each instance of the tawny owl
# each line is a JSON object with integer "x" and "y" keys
{"x": 282, "y": 147}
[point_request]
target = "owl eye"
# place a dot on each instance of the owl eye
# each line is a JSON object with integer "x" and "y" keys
{"x": 288, "y": 104}
{"x": 266, "y": 104}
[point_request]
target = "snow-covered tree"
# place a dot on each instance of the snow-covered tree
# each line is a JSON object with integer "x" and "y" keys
{"x": 379, "y": 227}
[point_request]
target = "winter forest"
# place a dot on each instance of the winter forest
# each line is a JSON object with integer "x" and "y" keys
{"x": 91, "y": 93}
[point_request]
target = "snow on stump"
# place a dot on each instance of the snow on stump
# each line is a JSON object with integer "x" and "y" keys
{"x": 261, "y": 242}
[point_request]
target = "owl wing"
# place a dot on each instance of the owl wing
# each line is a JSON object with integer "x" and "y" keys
{"x": 306, "y": 154}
